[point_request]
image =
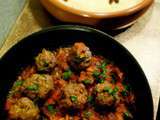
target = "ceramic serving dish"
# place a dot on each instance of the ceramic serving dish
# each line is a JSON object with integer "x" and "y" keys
{"x": 115, "y": 16}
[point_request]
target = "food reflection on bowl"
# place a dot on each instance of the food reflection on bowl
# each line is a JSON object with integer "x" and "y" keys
{"x": 108, "y": 14}
{"x": 72, "y": 68}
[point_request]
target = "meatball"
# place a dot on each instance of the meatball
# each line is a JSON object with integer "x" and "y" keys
{"x": 38, "y": 85}
{"x": 24, "y": 109}
{"x": 75, "y": 96}
{"x": 106, "y": 94}
{"x": 45, "y": 60}
{"x": 80, "y": 56}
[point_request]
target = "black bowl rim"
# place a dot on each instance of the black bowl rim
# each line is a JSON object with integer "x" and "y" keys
{"x": 87, "y": 29}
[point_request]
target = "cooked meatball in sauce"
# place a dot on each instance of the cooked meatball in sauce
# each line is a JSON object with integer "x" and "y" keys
{"x": 75, "y": 95}
{"x": 23, "y": 109}
{"x": 70, "y": 83}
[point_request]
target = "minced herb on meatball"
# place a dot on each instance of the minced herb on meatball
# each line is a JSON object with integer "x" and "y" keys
{"x": 106, "y": 94}
{"x": 38, "y": 85}
{"x": 24, "y": 109}
{"x": 45, "y": 60}
{"x": 75, "y": 95}
{"x": 80, "y": 56}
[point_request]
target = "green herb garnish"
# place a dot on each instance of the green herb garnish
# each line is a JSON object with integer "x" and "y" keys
{"x": 90, "y": 98}
{"x": 101, "y": 76}
{"x": 45, "y": 63}
{"x": 87, "y": 114}
{"x": 108, "y": 89}
{"x": 33, "y": 87}
{"x": 96, "y": 73}
{"x": 73, "y": 98}
{"x": 127, "y": 88}
{"x": 51, "y": 109}
{"x": 87, "y": 81}
{"x": 127, "y": 114}
{"x": 101, "y": 81}
{"x": 115, "y": 90}
{"x": 67, "y": 74}
{"x": 103, "y": 65}
{"x": 113, "y": 78}
{"x": 124, "y": 93}
{"x": 18, "y": 83}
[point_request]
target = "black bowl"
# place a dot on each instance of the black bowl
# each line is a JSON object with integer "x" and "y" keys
{"x": 23, "y": 53}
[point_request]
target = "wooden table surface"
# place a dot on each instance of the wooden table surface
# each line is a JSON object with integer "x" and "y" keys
{"x": 142, "y": 39}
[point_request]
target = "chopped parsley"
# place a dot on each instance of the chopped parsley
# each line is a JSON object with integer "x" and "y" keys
{"x": 73, "y": 98}
{"x": 18, "y": 83}
{"x": 51, "y": 109}
{"x": 103, "y": 65}
{"x": 127, "y": 114}
{"x": 110, "y": 90}
{"x": 33, "y": 87}
{"x": 101, "y": 81}
{"x": 100, "y": 75}
{"x": 96, "y": 73}
{"x": 127, "y": 88}
{"x": 87, "y": 81}
{"x": 90, "y": 99}
{"x": 67, "y": 74}
{"x": 113, "y": 78}
{"x": 87, "y": 114}
{"x": 45, "y": 63}
{"x": 124, "y": 93}
{"x": 115, "y": 90}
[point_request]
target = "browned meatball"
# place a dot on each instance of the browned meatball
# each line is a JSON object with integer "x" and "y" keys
{"x": 45, "y": 60}
{"x": 24, "y": 109}
{"x": 38, "y": 85}
{"x": 80, "y": 56}
{"x": 106, "y": 94}
{"x": 75, "y": 96}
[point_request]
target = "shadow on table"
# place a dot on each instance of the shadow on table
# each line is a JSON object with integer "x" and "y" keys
{"x": 43, "y": 18}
